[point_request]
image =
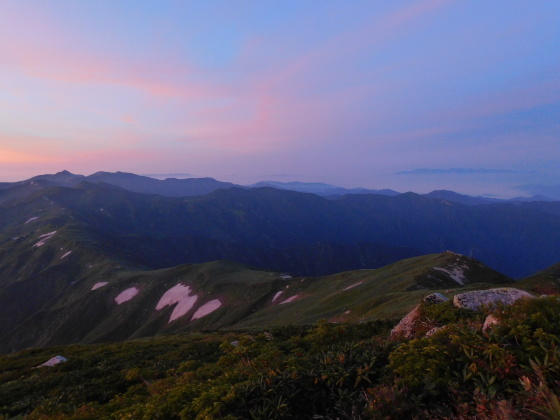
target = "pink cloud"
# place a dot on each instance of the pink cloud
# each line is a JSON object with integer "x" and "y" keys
{"x": 279, "y": 108}
{"x": 182, "y": 115}
{"x": 266, "y": 111}
{"x": 51, "y": 155}
{"x": 49, "y": 52}
{"x": 16, "y": 157}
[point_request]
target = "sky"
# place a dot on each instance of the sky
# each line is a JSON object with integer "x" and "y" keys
{"x": 409, "y": 95}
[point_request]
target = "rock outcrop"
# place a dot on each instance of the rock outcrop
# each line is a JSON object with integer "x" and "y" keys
{"x": 413, "y": 324}
{"x": 406, "y": 328}
{"x": 476, "y": 299}
{"x": 489, "y": 322}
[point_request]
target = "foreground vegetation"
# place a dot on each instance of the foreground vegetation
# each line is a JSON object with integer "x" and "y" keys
{"x": 327, "y": 371}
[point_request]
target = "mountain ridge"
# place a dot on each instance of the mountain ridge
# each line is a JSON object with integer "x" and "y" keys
{"x": 192, "y": 186}
{"x": 284, "y": 230}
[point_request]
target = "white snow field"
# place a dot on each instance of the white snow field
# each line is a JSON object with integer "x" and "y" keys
{"x": 54, "y": 361}
{"x": 65, "y": 255}
{"x": 206, "y": 309}
{"x": 456, "y": 274}
{"x": 43, "y": 238}
{"x": 290, "y": 299}
{"x": 180, "y": 295}
{"x": 353, "y": 285}
{"x": 126, "y": 295}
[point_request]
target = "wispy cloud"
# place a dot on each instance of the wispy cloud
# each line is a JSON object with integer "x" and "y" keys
{"x": 173, "y": 175}
{"x": 552, "y": 191}
{"x": 458, "y": 171}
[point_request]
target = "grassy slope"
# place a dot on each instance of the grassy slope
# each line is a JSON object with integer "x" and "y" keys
{"x": 75, "y": 313}
{"x": 385, "y": 293}
{"x": 544, "y": 282}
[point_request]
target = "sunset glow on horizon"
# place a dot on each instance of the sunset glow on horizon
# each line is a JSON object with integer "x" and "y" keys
{"x": 365, "y": 94}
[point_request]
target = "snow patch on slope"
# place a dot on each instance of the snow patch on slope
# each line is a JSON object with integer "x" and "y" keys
{"x": 277, "y": 295}
{"x": 98, "y": 285}
{"x": 43, "y": 238}
{"x": 290, "y": 299}
{"x": 179, "y": 295}
{"x": 126, "y": 295}
{"x": 456, "y": 274}
{"x": 206, "y": 309}
{"x": 173, "y": 295}
{"x": 184, "y": 306}
{"x": 54, "y": 361}
{"x": 65, "y": 255}
{"x": 31, "y": 219}
{"x": 353, "y": 285}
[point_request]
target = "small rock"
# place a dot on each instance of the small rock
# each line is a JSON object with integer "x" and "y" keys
{"x": 474, "y": 300}
{"x": 435, "y": 298}
{"x": 490, "y": 321}
{"x": 433, "y": 331}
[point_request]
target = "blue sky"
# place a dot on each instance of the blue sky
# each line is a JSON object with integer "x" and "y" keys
{"x": 409, "y": 95}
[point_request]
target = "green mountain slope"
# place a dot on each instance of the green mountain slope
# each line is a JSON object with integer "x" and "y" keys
{"x": 75, "y": 295}
{"x": 545, "y": 282}
{"x": 384, "y": 293}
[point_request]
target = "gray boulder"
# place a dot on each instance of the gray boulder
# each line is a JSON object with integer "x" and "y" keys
{"x": 435, "y": 298}
{"x": 475, "y": 299}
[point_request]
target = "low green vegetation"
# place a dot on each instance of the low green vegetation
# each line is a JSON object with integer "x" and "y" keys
{"x": 346, "y": 371}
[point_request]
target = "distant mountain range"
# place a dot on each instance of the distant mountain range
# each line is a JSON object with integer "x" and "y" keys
{"x": 163, "y": 223}
{"x": 170, "y": 187}
{"x": 188, "y": 187}
{"x": 477, "y": 200}
{"x": 321, "y": 189}
{"x": 552, "y": 191}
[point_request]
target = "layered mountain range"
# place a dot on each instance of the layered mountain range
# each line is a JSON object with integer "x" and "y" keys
{"x": 116, "y": 256}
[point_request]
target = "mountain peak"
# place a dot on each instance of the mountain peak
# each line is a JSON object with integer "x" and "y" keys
{"x": 64, "y": 178}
